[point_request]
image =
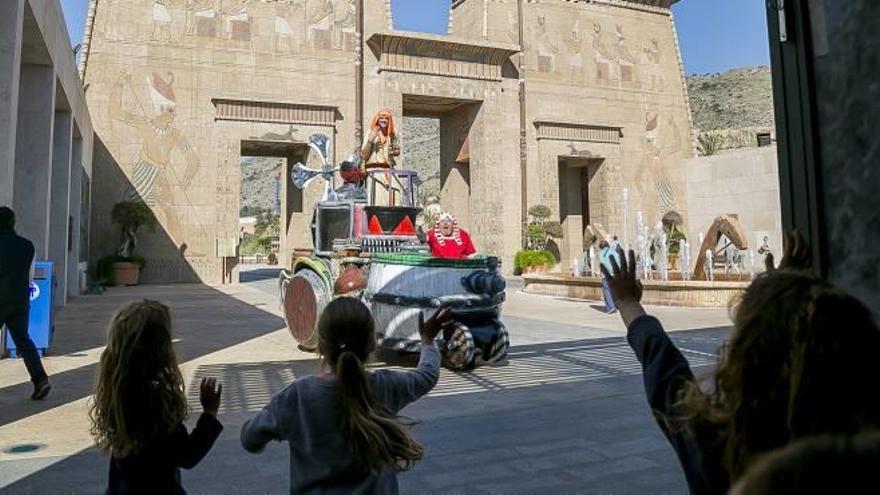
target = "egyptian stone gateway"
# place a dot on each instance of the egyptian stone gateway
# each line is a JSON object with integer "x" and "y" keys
{"x": 560, "y": 102}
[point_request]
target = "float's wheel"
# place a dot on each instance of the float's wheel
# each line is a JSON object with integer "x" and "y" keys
{"x": 499, "y": 348}
{"x": 305, "y": 297}
{"x": 458, "y": 349}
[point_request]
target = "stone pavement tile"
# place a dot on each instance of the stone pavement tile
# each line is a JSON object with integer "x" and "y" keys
{"x": 580, "y": 313}
{"x": 524, "y": 484}
{"x": 549, "y": 462}
{"x": 636, "y": 446}
{"x": 544, "y": 448}
{"x": 468, "y": 458}
{"x": 591, "y": 473}
{"x": 473, "y": 475}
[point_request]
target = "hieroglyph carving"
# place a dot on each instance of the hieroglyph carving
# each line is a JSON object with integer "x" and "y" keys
{"x": 155, "y": 172}
{"x": 613, "y": 59}
{"x": 662, "y": 149}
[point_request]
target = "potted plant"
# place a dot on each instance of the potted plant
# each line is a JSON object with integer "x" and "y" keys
{"x": 125, "y": 266}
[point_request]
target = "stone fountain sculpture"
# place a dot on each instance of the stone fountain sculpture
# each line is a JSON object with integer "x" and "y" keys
{"x": 726, "y": 225}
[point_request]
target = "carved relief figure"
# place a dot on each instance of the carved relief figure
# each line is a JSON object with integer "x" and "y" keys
{"x": 290, "y": 22}
{"x": 613, "y": 59}
{"x": 654, "y": 73}
{"x": 161, "y": 28}
{"x": 344, "y": 24}
{"x": 547, "y": 48}
{"x": 603, "y": 56}
{"x": 576, "y": 57}
{"x": 109, "y": 26}
{"x": 154, "y": 174}
{"x": 321, "y": 21}
{"x": 662, "y": 145}
{"x": 201, "y": 18}
{"x": 625, "y": 59}
{"x": 238, "y": 21}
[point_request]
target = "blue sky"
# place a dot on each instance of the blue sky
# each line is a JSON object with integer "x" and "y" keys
{"x": 715, "y": 35}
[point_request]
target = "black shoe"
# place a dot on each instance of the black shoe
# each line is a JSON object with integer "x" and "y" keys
{"x": 41, "y": 390}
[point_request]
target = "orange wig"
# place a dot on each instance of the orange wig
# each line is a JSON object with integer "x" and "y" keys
{"x": 374, "y": 124}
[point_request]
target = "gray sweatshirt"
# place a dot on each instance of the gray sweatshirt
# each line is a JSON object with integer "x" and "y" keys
{"x": 305, "y": 415}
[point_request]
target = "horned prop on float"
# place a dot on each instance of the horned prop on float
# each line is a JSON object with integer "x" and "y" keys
{"x": 302, "y": 175}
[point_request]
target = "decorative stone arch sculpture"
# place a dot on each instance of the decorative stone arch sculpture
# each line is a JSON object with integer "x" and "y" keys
{"x": 730, "y": 227}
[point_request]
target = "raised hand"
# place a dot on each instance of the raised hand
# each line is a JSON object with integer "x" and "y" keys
{"x": 626, "y": 289}
{"x": 209, "y": 395}
{"x": 429, "y": 329}
{"x": 795, "y": 253}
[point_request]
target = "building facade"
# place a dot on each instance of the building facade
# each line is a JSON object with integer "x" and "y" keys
{"x": 46, "y": 139}
{"x": 577, "y": 105}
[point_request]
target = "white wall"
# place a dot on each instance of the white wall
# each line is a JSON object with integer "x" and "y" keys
{"x": 743, "y": 182}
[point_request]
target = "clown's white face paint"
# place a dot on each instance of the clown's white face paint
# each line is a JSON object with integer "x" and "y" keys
{"x": 447, "y": 228}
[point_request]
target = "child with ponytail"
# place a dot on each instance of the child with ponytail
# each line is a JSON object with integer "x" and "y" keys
{"x": 342, "y": 426}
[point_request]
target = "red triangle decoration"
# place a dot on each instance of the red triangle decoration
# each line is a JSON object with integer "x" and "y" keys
{"x": 405, "y": 227}
{"x": 374, "y": 226}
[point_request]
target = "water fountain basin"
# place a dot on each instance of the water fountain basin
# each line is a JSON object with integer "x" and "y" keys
{"x": 673, "y": 292}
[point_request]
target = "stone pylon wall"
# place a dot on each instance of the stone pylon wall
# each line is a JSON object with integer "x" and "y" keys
{"x": 179, "y": 90}
{"x": 176, "y": 88}
{"x": 604, "y": 85}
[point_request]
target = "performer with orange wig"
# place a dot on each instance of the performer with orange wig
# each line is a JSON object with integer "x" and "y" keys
{"x": 380, "y": 148}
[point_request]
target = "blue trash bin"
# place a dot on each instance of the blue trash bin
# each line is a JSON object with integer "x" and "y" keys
{"x": 41, "y": 325}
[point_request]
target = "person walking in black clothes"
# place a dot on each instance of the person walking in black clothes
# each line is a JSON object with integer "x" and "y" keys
{"x": 801, "y": 361}
{"x": 16, "y": 271}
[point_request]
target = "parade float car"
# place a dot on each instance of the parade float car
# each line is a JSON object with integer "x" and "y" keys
{"x": 375, "y": 253}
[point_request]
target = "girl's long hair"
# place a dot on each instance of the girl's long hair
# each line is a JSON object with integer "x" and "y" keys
{"x": 346, "y": 338}
{"x": 139, "y": 392}
{"x": 801, "y": 362}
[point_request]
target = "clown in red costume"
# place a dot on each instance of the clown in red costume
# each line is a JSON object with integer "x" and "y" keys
{"x": 447, "y": 240}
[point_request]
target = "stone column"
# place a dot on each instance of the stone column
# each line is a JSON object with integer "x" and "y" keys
{"x": 59, "y": 199}
{"x": 33, "y": 155}
{"x": 10, "y": 60}
{"x": 75, "y": 209}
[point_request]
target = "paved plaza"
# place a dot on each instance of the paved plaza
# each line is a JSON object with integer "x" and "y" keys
{"x": 565, "y": 414}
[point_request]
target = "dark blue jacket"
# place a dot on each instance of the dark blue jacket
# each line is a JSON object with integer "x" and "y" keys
{"x": 156, "y": 468}
{"x": 666, "y": 372}
{"x": 16, "y": 257}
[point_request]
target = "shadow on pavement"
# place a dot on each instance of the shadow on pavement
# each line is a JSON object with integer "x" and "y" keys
{"x": 257, "y": 274}
{"x": 562, "y": 416}
{"x": 83, "y": 326}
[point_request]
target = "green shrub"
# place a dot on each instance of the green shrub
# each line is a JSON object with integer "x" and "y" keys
{"x": 710, "y": 143}
{"x": 252, "y": 245}
{"x": 540, "y": 212}
{"x": 553, "y": 229}
{"x": 527, "y": 258}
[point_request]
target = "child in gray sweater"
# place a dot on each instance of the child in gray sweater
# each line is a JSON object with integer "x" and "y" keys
{"x": 342, "y": 426}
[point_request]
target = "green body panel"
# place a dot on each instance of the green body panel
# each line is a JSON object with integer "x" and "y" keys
{"x": 414, "y": 259}
{"x": 314, "y": 264}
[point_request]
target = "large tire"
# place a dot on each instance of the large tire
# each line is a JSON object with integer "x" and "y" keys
{"x": 305, "y": 298}
{"x": 458, "y": 350}
{"x": 498, "y": 349}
